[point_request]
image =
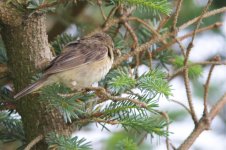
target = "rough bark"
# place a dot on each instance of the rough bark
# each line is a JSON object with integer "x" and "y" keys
{"x": 9, "y": 15}
{"x": 27, "y": 46}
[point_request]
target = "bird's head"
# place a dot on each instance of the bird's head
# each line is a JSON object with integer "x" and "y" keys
{"x": 103, "y": 38}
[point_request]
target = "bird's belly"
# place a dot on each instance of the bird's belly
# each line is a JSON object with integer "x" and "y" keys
{"x": 85, "y": 75}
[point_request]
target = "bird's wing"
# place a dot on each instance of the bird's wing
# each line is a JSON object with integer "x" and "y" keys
{"x": 76, "y": 54}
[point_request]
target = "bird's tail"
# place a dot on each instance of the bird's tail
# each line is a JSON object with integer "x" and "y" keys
{"x": 31, "y": 88}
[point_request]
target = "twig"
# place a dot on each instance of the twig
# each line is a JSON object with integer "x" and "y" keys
{"x": 189, "y": 96}
{"x": 180, "y": 70}
{"x": 150, "y": 59}
{"x": 135, "y": 43}
{"x": 99, "y": 3}
{"x": 110, "y": 15}
{"x": 198, "y": 24}
{"x": 109, "y": 24}
{"x": 166, "y": 35}
{"x": 48, "y": 5}
{"x": 146, "y": 45}
{"x": 181, "y": 104}
{"x": 178, "y": 8}
{"x": 186, "y": 78}
{"x": 206, "y": 90}
{"x": 165, "y": 115}
{"x": 102, "y": 93}
{"x": 202, "y": 125}
{"x": 132, "y": 33}
{"x": 34, "y": 142}
{"x": 155, "y": 32}
{"x": 112, "y": 122}
{"x": 180, "y": 45}
{"x": 163, "y": 22}
{"x": 206, "y": 87}
{"x": 142, "y": 138}
{"x": 215, "y": 25}
{"x": 99, "y": 120}
{"x": 207, "y": 14}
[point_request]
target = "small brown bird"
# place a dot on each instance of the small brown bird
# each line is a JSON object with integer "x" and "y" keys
{"x": 80, "y": 64}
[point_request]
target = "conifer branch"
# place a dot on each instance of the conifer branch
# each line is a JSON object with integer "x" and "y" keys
{"x": 101, "y": 92}
{"x": 203, "y": 124}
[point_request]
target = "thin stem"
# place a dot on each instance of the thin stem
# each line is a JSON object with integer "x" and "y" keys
{"x": 178, "y": 8}
{"x": 132, "y": 33}
{"x": 155, "y": 32}
{"x": 207, "y": 14}
{"x": 181, "y": 104}
{"x": 104, "y": 95}
{"x": 110, "y": 15}
{"x": 206, "y": 90}
{"x": 180, "y": 70}
{"x": 198, "y": 24}
{"x": 206, "y": 86}
{"x": 146, "y": 45}
{"x": 203, "y": 125}
{"x": 163, "y": 22}
{"x": 215, "y": 25}
{"x": 180, "y": 45}
{"x": 48, "y": 5}
{"x": 189, "y": 96}
{"x": 166, "y": 116}
{"x": 34, "y": 142}
{"x": 186, "y": 78}
{"x": 99, "y": 3}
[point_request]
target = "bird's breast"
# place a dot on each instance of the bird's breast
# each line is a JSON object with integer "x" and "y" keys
{"x": 85, "y": 75}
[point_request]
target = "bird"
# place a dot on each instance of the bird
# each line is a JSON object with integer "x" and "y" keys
{"x": 80, "y": 64}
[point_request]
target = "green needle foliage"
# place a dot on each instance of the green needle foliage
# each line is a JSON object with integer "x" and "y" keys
{"x": 147, "y": 5}
{"x": 193, "y": 72}
{"x": 82, "y": 108}
{"x": 11, "y": 129}
{"x": 152, "y": 83}
{"x": 150, "y": 125}
{"x": 72, "y": 106}
{"x": 79, "y": 106}
{"x": 120, "y": 80}
{"x": 61, "y": 142}
{"x": 126, "y": 144}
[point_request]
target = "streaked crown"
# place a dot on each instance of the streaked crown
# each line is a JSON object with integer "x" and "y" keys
{"x": 103, "y": 38}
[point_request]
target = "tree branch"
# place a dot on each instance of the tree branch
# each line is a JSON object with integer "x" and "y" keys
{"x": 215, "y": 25}
{"x": 101, "y": 92}
{"x": 186, "y": 78}
{"x": 180, "y": 70}
{"x": 179, "y": 4}
{"x": 9, "y": 15}
{"x": 203, "y": 124}
{"x": 206, "y": 15}
{"x": 206, "y": 87}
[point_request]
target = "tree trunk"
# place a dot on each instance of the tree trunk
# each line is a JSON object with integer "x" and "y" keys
{"x": 27, "y": 46}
